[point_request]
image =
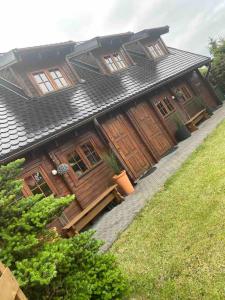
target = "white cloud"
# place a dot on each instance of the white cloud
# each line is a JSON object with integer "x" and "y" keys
{"x": 27, "y": 23}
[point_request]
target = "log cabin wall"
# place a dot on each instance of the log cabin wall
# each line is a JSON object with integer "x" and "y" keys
{"x": 87, "y": 187}
{"x": 202, "y": 88}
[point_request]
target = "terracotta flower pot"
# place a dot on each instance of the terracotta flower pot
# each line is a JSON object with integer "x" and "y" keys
{"x": 124, "y": 182}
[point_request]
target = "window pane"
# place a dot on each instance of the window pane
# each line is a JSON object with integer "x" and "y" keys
{"x": 43, "y": 88}
{"x": 36, "y": 191}
{"x": 38, "y": 177}
{"x": 58, "y": 78}
{"x": 186, "y": 92}
{"x": 31, "y": 182}
{"x": 159, "y": 49}
{"x": 37, "y": 184}
{"x": 63, "y": 81}
{"x": 58, "y": 73}
{"x": 168, "y": 104}
{"x": 49, "y": 86}
{"x": 43, "y": 82}
{"x": 77, "y": 164}
{"x": 53, "y": 74}
{"x": 110, "y": 63}
{"x": 152, "y": 51}
{"x": 37, "y": 78}
{"x": 162, "y": 109}
{"x": 45, "y": 189}
{"x": 90, "y": 153}
{"x": 58, "y": 83}
{"x": 43, "y": 77}
{"x": 119, "y": 60}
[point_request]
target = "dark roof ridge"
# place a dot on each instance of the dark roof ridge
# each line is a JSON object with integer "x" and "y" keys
{"x": 44, "y": 46}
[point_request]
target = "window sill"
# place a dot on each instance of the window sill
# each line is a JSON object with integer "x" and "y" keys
{"x": 56, "y": 91}
{"x": 171, "y": 113}
{"x": 89, "y": 170}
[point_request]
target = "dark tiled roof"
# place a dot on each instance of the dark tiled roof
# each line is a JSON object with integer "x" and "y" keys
{"x": 26, "y": 123}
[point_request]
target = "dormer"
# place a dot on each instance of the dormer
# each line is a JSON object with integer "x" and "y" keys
{"x": 148, "y": 43}
{"x": 104, "y": 54}
{"x": 40, "y": 70}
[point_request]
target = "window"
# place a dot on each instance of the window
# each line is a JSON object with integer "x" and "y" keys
{"x": 115, "y": 62}
{"x": 156, "y": 50}
{"x": 58, "y": 78}
{"x": 50, "y": 80}
{"x": 164, "y": 106}
{"x": 83, "y": 158}
{"x": 186, "y": 92}
{"x": 43, "y": 82}
{"x": 90, "y": 153}
{"x": 37, "y": 184}
{"x": 168, "y": 104}
{"x": 183, "y": 93}
{"x": 77, "y": 164}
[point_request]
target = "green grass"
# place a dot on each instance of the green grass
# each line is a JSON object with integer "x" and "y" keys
{"x": 175, "y": 248}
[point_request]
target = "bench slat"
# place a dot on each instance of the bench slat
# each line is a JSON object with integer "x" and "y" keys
{"x": 90, "y": 207}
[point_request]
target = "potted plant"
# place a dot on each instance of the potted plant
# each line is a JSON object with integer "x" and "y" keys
{"x": 120, "y": 176}
{"x": 182, "y": 132}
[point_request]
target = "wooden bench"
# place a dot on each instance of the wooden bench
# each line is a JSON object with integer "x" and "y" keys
{"x": 92, "y": 210}
{"x": 191, "y": 124}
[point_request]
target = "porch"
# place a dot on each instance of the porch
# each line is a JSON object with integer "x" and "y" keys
{"x": 112, "y": 223}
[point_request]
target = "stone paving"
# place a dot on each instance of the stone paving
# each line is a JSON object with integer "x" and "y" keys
{"x": 112, "y": 223}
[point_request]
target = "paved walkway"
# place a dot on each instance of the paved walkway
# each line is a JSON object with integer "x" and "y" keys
{"x": 112, "y": 223}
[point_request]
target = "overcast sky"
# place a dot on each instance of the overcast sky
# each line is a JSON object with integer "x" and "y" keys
{"x": 27, "y": 23}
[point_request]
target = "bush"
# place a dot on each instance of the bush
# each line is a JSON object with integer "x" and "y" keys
{"x": 46, "y": 265}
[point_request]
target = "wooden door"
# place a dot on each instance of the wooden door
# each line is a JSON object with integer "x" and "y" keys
{"x": 149, "y": 127}
{"x": 128, "y": 144}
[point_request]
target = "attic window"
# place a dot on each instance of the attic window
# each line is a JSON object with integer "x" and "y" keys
{"x": 115, "y": 61}
{"x": 50, "y": 80}
{"x": 156, "y": 50}
{"x": 43, "y": 82}
{"x": 58, "y": 78}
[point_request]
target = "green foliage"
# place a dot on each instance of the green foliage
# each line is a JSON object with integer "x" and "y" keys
{"x": 175, "y": 248}
{"x": 46, "y": 265}
{"x": 217, "y": 74}
{"x": 112, "y": 161}
{"x": 177, "y": 120}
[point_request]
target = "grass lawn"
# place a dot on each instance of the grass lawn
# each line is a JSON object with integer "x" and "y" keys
{"x": 175, "y": 248}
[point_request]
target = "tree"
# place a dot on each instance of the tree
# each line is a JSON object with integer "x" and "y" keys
{"x": 46, "y": 265}
{"x": 217, "y": 50}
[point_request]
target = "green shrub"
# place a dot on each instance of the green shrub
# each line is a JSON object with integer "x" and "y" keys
{"x": 46, "y": 265}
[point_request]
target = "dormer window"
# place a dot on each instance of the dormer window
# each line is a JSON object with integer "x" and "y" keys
{"x": 156, "y": 50}
{"x": 58, "y": 78}
{"x": 43, "y": 82}
{"x": 50, "y": 80}
{"x": 115, "y": 61}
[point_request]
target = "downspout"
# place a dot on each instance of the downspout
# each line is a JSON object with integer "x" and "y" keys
{"x": 208, "y": 71}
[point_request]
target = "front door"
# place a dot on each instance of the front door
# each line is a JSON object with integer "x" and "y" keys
{"x": 150, "y": 128}
{"x": 128, "y": 144}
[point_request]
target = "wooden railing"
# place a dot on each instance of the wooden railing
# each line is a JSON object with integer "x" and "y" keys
{"x": 9, "y": 287}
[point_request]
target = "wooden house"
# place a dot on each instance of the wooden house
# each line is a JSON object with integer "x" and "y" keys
{"x": 67, "y": 104}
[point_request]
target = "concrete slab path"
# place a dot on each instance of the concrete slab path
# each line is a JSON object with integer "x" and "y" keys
{"x": 111, "y": 224}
